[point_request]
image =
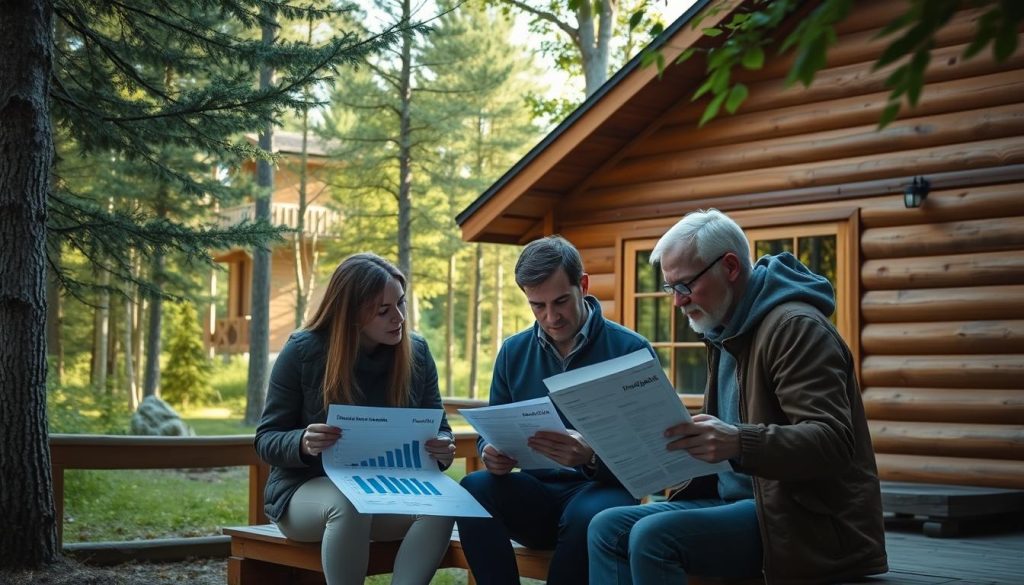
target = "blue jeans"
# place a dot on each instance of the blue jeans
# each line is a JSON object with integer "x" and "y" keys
{"x": 664, "y": 542}
{"x": 544, "y": 514}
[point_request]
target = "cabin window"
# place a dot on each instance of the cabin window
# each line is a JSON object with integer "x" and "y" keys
{"x": 649, "y": 311}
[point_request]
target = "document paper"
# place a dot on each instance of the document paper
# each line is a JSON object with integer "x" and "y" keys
{"x": 382, "y": 466}
{"x": 622, "y": 407}
{"x": 508, "y": 426}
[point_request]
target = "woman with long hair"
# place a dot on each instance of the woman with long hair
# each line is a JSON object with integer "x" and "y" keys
{"x": 356, "y": 349}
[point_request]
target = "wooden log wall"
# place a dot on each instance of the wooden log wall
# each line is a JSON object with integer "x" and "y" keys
{"x": 942, "y": 307}
{"x": 943, "y": 339}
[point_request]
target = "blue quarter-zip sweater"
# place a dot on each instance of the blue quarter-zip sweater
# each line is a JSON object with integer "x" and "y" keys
{"x": 523, "y": 362}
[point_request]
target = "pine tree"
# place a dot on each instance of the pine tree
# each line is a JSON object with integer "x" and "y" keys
{"x": 186, "y": 378}
{"x": 483, "y": 124}
{"x": 98, "y": 68}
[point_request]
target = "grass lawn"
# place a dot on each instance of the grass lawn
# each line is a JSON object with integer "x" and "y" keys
{"x": 152, "y": 503}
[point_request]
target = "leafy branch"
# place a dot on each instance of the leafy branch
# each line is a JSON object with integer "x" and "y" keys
{"x": 751, "y": 28}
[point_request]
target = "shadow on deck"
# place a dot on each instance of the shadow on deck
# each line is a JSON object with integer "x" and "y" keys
{"x": 988, "y": 553}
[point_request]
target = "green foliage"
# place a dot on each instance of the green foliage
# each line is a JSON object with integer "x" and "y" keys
{"x": 186, "y": 377}
{"x": 150, "y": 96}
{"x": 85, "y": 410}
{"x": 751, "y": 28}
{"x": 746, "y": 36}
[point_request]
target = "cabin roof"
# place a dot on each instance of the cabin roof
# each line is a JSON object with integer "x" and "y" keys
{"x": 515, "y": 207}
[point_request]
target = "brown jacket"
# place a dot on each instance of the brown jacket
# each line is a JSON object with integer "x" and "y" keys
{"x": 804, "y": 440}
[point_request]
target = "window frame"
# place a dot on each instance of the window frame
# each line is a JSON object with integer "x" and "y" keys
{"x": 844, "y": 224}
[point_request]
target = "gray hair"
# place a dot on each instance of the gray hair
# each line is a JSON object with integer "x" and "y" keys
{"x": 711, "y": 232}
{"x": 542, "y": 258}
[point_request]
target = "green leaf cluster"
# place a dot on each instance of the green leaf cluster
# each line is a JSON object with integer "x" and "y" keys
{"x": 749, "y": 31}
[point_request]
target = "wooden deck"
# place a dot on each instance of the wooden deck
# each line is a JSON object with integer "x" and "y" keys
{"x": 987, "y": 557}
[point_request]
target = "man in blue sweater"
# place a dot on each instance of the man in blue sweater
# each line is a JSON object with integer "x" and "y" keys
{"x": 546, "y": 508}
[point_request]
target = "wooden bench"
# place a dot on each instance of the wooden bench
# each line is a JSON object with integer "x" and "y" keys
{"x": 261, "y": 555}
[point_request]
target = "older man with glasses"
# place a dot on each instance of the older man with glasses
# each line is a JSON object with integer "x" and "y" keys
{"x": 801, "y": 503}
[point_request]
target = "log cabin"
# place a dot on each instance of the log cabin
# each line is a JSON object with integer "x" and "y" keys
{"x": 930, "y": 297}
{"x": 228, "y": 333}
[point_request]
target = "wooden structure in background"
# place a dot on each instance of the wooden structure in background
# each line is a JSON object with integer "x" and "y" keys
{"x": 931, "y": 299}
{"x": 229, "y": 333}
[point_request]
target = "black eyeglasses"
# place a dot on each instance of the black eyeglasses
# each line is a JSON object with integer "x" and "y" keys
{"x": 683, "y": 288}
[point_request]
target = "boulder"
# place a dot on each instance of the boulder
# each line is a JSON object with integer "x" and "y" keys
{"x": 156, "y": 417}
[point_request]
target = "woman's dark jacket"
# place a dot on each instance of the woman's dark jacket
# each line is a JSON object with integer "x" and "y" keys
{"x": 295, "y": 400}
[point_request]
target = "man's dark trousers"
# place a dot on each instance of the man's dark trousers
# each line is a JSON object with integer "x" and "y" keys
{"x": 549, "y": 509}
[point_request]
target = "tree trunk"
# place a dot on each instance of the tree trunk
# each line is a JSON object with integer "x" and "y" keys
{"x": 29, "y": 537}
{"x": 449, "y": 328}
{"x": 113, "y": 341}
{"x": 473, "y": 331}
{"x": 405, "y": 159}
{"x": 151, "y": 377}
{"x": 137, "y": 322}
{"x": 210, "y": 322}
{"x": 100, "y": 333}
{"x": 304, "y": 251}
{"x": 499, "y": 285}
{"x": 259, "y": 324}
{"x": 55, "y": 318}
{"x": 129, "y": 358}
{"x": 595, "y": 45}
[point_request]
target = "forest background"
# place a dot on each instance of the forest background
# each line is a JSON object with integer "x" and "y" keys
{"x": 413, "y": 131}
{"x": 485, "y": 81}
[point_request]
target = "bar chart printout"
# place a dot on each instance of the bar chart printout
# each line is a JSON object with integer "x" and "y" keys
{"x": 382, "y": 466}
{"x": 405, "y": 457}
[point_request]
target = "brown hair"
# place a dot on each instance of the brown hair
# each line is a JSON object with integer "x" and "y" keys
{"x": 351, "y": 297}
{"x": 542, "y": 258}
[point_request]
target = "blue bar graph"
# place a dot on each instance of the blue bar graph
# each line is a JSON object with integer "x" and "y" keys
{"x": 423, "y": 489}
{"x": 401, "y": 487}
{"x": 376, "y": 486}
{"x": 382, "y": 484}
{"x": 387, "y": 484}
{"x": 362, "y": 484}
{"x": 406, "y": 457}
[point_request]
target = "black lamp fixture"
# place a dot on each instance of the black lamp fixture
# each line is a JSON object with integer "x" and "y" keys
{"x": 916, "y": 192}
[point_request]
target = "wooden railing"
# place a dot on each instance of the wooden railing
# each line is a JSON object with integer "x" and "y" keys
{"x": 319, "y": 219}
{"x": 137, "y": 452}
{"x": 231, "y": 335}
{"x": 140, "y": 452}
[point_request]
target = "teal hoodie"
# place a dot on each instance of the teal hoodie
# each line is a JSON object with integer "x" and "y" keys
{"x": 774, "y": 280}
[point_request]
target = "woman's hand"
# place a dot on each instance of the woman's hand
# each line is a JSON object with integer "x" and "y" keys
{"x": 441, "y": 449}
{"x": 318, "y": 437}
